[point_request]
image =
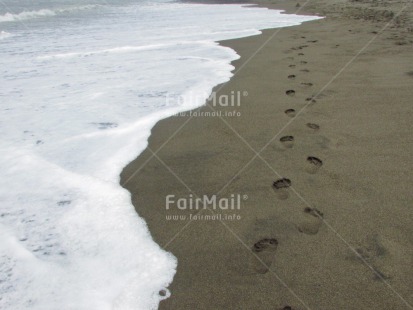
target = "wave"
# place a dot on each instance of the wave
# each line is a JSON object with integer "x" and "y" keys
{"x": 9, "y": 17}
{"x": 26, "y": 15}
{"x": 125, "y": 49}
{"x": 5, "y": 35}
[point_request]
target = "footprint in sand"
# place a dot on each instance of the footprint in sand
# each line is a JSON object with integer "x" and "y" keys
{"x": 307, "y": 84}
{"x": 311, "y": 100}
{"x": 313, "y": 219}
{"x": 281, "y": 188}
{"x": 291, "y": 77}
{"x": 287, "y": 141}
{"x": 299, "y": 47}
{"x": 290, "y": 92}
{"x": 264, "y": 250}
{"x": 291, "y": 66}
{"x": 305, "y": 70}
{"x": 314, "y": 164}
{"x": 374, "y": 251}
{"x": 313, "y": 126}
{"x": 303, "y": 62}
{"x": 287, "y": 308}
{"x": 290, "y": 112}
{"x": 300, "y": 54}
{"x": 312, "y": 41}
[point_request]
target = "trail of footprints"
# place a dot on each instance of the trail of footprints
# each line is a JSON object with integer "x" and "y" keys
{"x": 312, "y": 218}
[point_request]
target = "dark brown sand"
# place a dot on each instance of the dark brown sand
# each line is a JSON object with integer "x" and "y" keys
{"x": 328, "y": 222}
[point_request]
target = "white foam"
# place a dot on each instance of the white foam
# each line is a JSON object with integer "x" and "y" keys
{"x": 27, "y": 15}
{"x": 78, "y": 101}
{"x": 9, "y": 17}
{"x": 119, "y": 50}
{"x": 5, "y": 35}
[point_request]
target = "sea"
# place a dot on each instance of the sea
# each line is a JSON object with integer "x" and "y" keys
{"x": 82, "y": 83}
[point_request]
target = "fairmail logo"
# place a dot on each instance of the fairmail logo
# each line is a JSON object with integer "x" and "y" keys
{"x": 191, "y": 202}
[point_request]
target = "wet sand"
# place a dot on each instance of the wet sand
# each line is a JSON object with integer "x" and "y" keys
{"x": 321, "y": 156}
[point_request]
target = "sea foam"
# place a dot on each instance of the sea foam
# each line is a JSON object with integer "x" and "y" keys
{"x": 26, "y": 15}
{"x": 5, "y": 35}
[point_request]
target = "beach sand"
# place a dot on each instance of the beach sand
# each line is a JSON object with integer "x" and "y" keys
{"x": 321, "y": 156}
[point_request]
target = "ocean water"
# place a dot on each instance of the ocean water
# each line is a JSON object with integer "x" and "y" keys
{"x": 81, "y": 85}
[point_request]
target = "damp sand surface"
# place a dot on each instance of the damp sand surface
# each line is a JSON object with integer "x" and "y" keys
{"x": 321, "y": 155}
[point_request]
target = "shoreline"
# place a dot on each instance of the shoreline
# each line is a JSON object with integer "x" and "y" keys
{"x": 293, "y": 246}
